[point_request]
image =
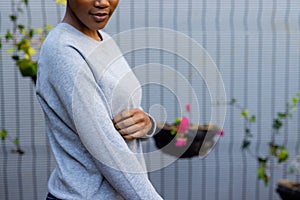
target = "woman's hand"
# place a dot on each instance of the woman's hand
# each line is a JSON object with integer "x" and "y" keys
{"x": 132, "y": 124}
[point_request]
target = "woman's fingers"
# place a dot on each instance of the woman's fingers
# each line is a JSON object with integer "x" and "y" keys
{"x": 132, "y": 123}
{"x": 123, "y": 115}
{"x": 129, "y": 119}
{"x": 137, "y": 134}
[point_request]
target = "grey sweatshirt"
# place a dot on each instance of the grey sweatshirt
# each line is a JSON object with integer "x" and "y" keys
{"x": 82, "y": 84}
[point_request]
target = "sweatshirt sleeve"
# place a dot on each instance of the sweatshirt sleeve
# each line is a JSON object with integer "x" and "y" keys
{"x": 87, "y": 107}
{"x": 152, "y": 130}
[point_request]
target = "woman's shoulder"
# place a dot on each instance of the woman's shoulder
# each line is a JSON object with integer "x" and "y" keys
{"x": 60, "y": 36}
{"x": 59, "y": 53}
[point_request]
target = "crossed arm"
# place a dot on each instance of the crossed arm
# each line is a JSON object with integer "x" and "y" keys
{"x": 133, "y": 123}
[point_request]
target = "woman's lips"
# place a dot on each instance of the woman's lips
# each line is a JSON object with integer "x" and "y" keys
{"x": 100, "y": 17}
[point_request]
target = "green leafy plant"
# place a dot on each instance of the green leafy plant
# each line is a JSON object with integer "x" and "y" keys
{"x": 24, "y": 41}
{"x": 276, "y": 150}
{"x": 4, "y": 136}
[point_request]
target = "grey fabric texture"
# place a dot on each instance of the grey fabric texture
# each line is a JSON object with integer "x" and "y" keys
{"x": 81, "y": 85}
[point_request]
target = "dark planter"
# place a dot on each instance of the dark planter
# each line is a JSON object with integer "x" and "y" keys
{"x": 288, "y": 190}
{"x": 165, "y": 141}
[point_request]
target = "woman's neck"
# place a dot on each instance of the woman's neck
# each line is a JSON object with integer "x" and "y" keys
{"x": 71, "y": 19}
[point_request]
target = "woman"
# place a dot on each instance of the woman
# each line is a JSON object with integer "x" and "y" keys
{"x": 91, "y": 102}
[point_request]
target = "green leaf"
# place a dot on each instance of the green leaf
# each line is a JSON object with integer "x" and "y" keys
{"x": 283, "y": 155}
{"x": 177, "y": 121}
{"x": 246, "y": 144}
{"x": 253, "y": 119}
{"x": 295, "y": 100}
{"x": 281, "y": 115}
{"x": 0, "y": 42}
{"x": 21, "y": 28}
{"x": 25, "y": 2}
{"x": 11, "y": 50}
{"x": 27, "y": 67}
{"x": 245, "y": 113}
{"x": 13, "y": 17}
{"x": 24, "y": 45}
{"x": 3, "y": 134}
{"x": 273, "y": 149}
{"x": 20, "y": 151}
{"x": 233, "y": 101}
{"x": 48, "y": 27}
{"x": 39, "y": 31}
{"x": 16, "y": 141}
{"x": 277, "y": 124}
{"x": 30, "y": 52}
{"x": 260, "y": 172}
{"x": 15, "y": 57}
{"x": 262, "y": 161}
{"x": 173, "y": 132}
{"x": 266, "y": 180}
{"x": 262, "y": 175}
{"x": 31, "y": 33}
{"x": 8, "y": 35}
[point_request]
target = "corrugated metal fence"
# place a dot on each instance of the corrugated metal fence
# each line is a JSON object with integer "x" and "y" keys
{"x": 255, "y": 44}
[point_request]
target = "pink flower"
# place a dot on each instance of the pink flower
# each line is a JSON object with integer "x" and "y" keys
{"x": 184, "y": 125}
{"x": 221, "y": 133}
{"x": 188, "y": 107}
{"x": 180, "y": 142}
